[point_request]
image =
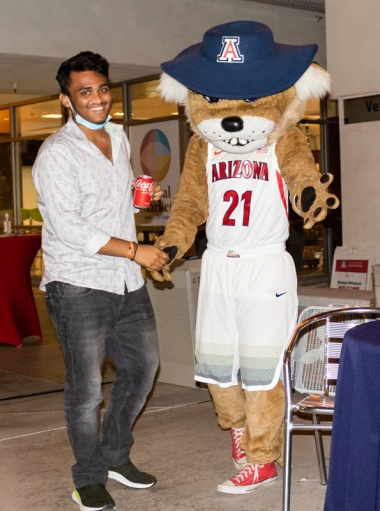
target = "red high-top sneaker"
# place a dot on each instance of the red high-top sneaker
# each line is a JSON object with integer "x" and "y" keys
{"x": 238, "y": 455}
{"x": 249, "y": 478}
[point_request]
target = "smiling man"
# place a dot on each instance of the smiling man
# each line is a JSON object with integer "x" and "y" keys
{"x": 95, "y": 292}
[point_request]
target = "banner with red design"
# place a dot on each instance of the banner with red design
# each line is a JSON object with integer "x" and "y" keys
{"x": 352, "y": 268}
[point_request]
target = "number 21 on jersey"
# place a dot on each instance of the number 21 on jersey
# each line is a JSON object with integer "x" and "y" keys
{"x": 233, "y": 197}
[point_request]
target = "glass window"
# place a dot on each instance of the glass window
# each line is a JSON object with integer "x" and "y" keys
{"x": 306, "y": 246}
{"x": 28, "y": 150}
{"x": 39, "y": 118}
{"x": 6, "y": 203}
{"x": 332, "y": 108}
{"x": 312, "y": 129}
{"x": 312, "y": 110}
{"x": 117, "y": 109}
{"x": 334, "y": 218}
{"x": 5, "y": 123}
{"x": 147, "y": 103}
{"x": 313, "y": 135}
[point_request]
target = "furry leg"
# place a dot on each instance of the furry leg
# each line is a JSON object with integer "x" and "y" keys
{"x": 263, "y": 434}
{"x": 229, "y": 405}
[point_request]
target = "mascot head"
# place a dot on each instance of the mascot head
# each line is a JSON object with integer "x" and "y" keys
{"x": 242, "y": 90}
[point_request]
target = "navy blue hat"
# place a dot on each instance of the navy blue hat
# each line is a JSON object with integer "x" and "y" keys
{"x": 240, "y": 60}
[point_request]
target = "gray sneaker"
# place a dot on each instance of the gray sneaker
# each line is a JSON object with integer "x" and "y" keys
{"x": 93, "y": 498}
{"x": 129, "y": 475}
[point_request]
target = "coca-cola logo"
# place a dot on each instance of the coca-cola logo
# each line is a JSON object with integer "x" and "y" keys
{"x": 143, "y": 186}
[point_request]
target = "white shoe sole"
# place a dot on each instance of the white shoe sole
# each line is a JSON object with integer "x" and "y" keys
{"x": 118, "y": 477}
{"x": 241, "y": 490}
{"x": 86, "y": 508}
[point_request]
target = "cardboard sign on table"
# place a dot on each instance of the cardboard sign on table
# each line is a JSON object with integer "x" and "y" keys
{"x": 352, "y": 268}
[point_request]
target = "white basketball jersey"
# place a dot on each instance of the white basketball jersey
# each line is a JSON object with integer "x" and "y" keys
{"x": 248, "y": 200}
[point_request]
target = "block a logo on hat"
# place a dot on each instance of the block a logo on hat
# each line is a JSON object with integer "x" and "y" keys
{"x": 230, "y": 52}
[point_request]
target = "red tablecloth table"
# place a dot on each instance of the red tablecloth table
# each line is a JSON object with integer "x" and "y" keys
{"x": 18, "y": 313}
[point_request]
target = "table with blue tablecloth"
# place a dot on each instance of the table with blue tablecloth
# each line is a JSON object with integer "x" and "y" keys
{"x": 354, "y": 473}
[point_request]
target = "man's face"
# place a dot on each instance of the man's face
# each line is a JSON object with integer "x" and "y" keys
{"x": 90, "y": 96}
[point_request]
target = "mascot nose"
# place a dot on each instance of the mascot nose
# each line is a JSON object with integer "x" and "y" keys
{"x": 232, "y": 124}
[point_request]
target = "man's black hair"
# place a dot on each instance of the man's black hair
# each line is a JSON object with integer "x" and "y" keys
{"x": 84, "y": 61}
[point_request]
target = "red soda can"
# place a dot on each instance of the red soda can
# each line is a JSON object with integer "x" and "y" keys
{"x": 142, "y": 192}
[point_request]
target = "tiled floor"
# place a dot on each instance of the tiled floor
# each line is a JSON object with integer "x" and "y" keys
{"x": 176, "y": 438}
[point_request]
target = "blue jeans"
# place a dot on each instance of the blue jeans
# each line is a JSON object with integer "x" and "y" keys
{"x": 91, "y": 324}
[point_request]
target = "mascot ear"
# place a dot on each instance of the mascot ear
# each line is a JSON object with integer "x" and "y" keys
{"x": 314, "y": 83}
{"x": 171, "y": 90}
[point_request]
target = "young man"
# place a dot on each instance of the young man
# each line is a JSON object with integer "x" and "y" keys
{"x": 95, "y": 292}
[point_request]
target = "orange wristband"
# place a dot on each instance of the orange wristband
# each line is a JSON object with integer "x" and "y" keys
{"x": 136, "y": 247}
{"x": 131, "y": 251}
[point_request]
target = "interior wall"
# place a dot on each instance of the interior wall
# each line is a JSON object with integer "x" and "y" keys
{"x": 353, "y": 40}
{"x": 139, "y": 31}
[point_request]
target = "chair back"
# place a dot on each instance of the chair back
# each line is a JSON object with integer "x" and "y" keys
{"x": 317, "y": 352}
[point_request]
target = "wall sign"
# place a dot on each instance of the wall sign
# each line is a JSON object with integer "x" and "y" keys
{"x": 364, "y": 109}
{"x": 352, "y": 267}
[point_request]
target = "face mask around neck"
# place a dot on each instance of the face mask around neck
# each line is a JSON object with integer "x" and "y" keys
{"x": 91, "y": 125}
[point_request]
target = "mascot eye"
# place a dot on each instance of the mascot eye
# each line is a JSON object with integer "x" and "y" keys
{"x": 251, "y": 100}
{"x": 211, "y": 100}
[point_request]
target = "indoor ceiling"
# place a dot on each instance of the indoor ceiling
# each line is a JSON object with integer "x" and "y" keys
{"x": 310, "y": 5}
{"x": 35, "y": 76}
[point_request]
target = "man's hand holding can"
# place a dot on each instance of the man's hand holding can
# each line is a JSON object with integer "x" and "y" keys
{"x": 146, "y": 190}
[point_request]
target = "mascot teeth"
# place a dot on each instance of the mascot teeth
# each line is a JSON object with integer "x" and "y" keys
{"x": 238, "y": 141}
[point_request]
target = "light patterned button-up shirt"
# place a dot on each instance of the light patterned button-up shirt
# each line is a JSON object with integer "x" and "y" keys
{"x": 84, "y": 199}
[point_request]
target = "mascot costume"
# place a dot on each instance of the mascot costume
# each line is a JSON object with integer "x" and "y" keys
{"x": 243, "y": 94}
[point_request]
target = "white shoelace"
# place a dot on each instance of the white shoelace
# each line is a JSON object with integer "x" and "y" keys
{"x": 237, "y": 433}
{"x": 247, "y": 471}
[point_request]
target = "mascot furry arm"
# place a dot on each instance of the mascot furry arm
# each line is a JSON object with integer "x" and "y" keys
{"x": 279, "y": 112}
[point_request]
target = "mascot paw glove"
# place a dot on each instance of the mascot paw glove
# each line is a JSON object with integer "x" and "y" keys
{"x": 312, "y": 202}
{"x": 165, "y": 274}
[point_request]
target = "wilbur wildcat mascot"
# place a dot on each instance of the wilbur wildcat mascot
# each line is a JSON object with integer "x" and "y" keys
{"x": 243, "y": 94}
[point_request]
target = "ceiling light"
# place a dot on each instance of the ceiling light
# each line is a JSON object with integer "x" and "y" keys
{"x": 51, "y": 116}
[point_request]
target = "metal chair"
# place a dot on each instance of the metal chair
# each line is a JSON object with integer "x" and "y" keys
{"x": 24, "y": 215}
{"x": 311, "y": 363}
{"x": 31, "y": 215}
{"x": 35, "y": 215}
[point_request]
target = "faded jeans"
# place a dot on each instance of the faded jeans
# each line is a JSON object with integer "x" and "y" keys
{"x": 91, "y": 324}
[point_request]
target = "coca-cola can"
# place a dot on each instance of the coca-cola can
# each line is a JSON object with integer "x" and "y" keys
{"x": 143, "y": 187}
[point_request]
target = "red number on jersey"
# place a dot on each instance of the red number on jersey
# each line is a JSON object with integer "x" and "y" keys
{"x": 246, "y": 197}
{"x": 230, "y": 195}
{"x": 233, "y": 197}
